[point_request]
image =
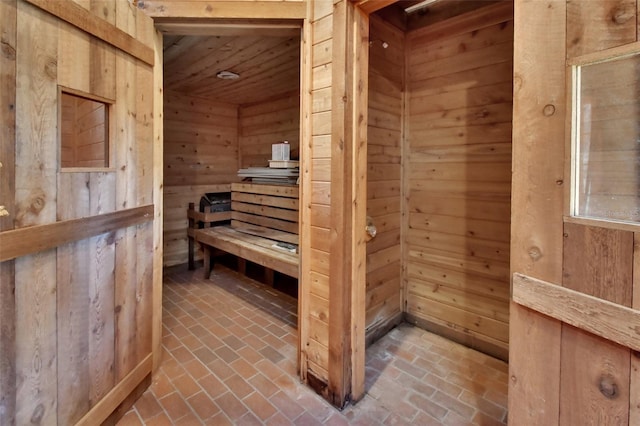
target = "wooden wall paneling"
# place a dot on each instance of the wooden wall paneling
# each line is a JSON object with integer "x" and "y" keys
{"x": 295, "y": 9}
{"x": 73, "y": 312}
{"x": 600, "y": 25}
{"x": 8, "y": 23}
{"x": 35, "y": 188}
{"x": 385, "y": 126}
{"x": 158, "y": 199}
{"x": 266, "y": 123}
{"x": 598, "y": 262}
{"x": 537, "y": 197}
{"x": 200, "y": 155}
{"x": 451, "y": 116}
{"x": 144, "y": 168}
{"x": 126, "y": 196}
{"x": 308, "y": 278}
{"x": 101, "y": 285}
{"x": 634, "y": 379}
{"x": 82, "y": 18}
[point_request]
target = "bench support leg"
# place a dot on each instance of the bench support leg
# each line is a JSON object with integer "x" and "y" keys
{"x": 242, "y": 266}
{"x": 268, "y": 276}
{"x": 192, "y": 264}
{"x": 207, "y": 261}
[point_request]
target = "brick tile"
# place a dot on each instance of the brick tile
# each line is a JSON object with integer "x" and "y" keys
{"x": 160, "y": 420}
{"x": 130, "y": 419}
{"x": 239, "y": 387}
{"x": 271, "y": 354}
{"x": 410, "y": 369}
{"x": 182, "y": 354}
{"x": 186, "y": 385}
{"x": 231, "y": 405}
{"x": 205, "y": 355}
{"x": 263, "y": 385}
{"x": 189, "y": 419}
{"x": 250, "y": 355}
{"x": 307, "y": 420}
{"x": 220, "y": 419}
{"x": 452, "y": 404}
{"x": 484, "y": 420}
{"x": 428, "y": 406}
{"x": 441, "y": 384}
{"x": 259, "y": 406}
{"x": 220, "y": 369}
{"x": 175, "y": 406}
{"x": 287, "y": 406}
{"x": 278, "y": 420}
{"x": 424, "y": 419}
{"x": 453, "y": 419}
{"x": 147, "y": 406}
{"x": 396, "y": 420}
{"x": 203, "y": 405}
{"x": 243, "y": 368}
{"x": 226, "y": 354}
{"x": 212, "y": 385}
{"x": 487, "y": 407}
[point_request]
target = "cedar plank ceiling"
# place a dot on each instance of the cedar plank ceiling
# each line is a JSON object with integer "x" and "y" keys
{"x": 269, "y": 66}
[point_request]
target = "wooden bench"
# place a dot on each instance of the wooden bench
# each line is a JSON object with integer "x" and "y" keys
{"x": 263, "y": 219}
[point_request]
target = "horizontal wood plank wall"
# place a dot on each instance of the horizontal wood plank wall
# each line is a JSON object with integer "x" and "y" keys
{"x": 82, "y": 310}
{"x": 315, "y": 202}
{"x": 384, "y": 152}
{"x": 200, "y": 155}
{"x": 265, "y": 123}
{"x": 458, "y": 168}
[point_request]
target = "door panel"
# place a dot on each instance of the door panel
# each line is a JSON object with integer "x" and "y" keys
{"x": 76, "y": 306}
{"x": 573, "y": 334}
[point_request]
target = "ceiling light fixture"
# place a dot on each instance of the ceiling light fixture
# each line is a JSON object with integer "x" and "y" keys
{"x": 228, "y": 75}
{"x": 419, "y": 6}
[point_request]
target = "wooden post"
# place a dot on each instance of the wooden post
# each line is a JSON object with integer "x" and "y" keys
{"x": 8, "y": 22}
{"x": 537, "y": 204}
{"x": 192, "y": 224}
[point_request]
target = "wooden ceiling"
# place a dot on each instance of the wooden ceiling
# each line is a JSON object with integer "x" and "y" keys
{"x": 268, "y": 64}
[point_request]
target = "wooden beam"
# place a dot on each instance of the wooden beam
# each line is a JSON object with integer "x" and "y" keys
{"x": 33, "y": 239}
{"x": 83, "y": 19}
{"x": 8, "y": 23}
{"x": 597, "y": 316}
{"x": 370, "y": 6}
{"x": 226, "y": 27}
{"x": 224, "y": 9}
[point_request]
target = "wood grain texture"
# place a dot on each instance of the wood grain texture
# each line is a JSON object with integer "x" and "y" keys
{"x": 383, "y": 164}
{"x": 8, "y": 23}
{"x": 92, "y": 24}
{"x": 450, "y": 114}
{"x": 597, "y": 26}
{"x": 265, "y": 123}
{"x": 634, "y": 377}
{"x": 537, "y": 197}
{"x": 599, "y": 262}
{"x": 36, "y": 192}
{"x": 597, "y": 316}
{"x": 226, "y": 9}
{"x": 23, "y": 241}
{"x": 596, "y": 389}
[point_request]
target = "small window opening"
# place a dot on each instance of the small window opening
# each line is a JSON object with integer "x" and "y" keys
{"x": 84, "y": 132}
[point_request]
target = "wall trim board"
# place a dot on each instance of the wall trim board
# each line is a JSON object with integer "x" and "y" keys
{"x": 103, "y": 409}
{"x": 224, "y": 9}
{"x": 29, "y": 240}
{"x": 83, "y": 19}
{"x": 597, "y": 316}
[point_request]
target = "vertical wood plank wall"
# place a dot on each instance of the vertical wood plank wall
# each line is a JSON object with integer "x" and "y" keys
{"x": 458, "y": 177}
{"x": 315, "y": 200}
{"x": 547, "y": 385}
{"x": 265, "y": 123}
{"x": 8, "y": 23}
{"x": 200, "y": 155}
{"x": 82, "y": 311}
{"x": 384, "y": 150}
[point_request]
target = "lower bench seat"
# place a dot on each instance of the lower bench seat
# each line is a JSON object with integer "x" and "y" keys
{"x": 253, "y": 248}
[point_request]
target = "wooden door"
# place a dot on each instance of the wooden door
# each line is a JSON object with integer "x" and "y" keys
{"x": 77, "y": 239}
{"x": 575, "y": 309}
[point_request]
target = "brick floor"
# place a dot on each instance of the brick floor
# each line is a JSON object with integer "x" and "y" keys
{"x": 229, "y": 358}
